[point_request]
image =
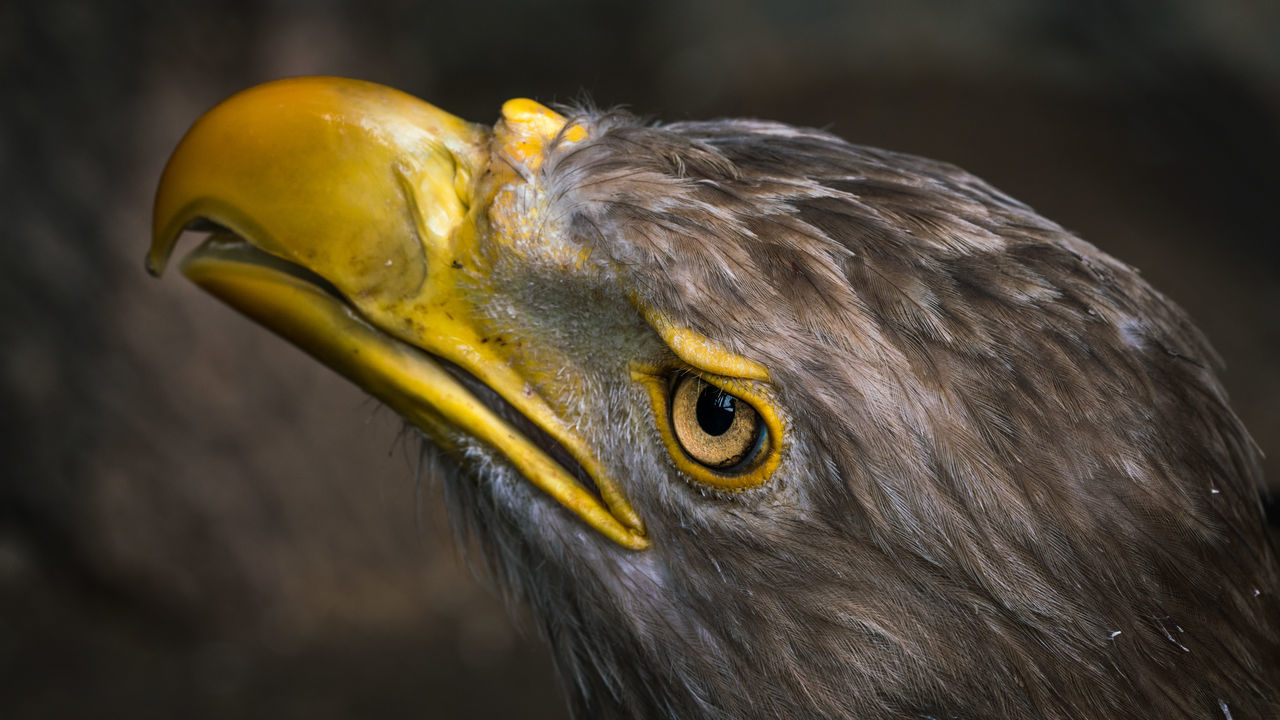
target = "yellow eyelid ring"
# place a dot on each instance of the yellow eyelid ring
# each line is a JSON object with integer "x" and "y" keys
{"x": 657, "y": 381}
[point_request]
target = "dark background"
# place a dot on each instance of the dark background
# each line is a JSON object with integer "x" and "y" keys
{"x": 198, "y": 521}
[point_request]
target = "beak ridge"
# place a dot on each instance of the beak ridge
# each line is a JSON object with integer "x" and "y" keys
{"x": 323, "y": 172}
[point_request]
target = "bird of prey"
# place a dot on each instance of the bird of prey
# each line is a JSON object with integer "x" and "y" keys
{"x": 760, "y": 423}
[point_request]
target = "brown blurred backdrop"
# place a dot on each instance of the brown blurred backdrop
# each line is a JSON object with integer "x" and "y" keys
{"x": 198, "y": 521}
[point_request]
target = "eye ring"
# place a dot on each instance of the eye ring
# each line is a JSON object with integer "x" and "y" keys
{"x": 739, "y": 468}
{"x": 714, "y": 427}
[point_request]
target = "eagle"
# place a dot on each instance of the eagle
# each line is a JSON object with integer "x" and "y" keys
{"x": 759, "y": 423}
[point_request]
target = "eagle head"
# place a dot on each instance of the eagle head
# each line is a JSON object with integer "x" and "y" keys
{"x": 758, "y": 422}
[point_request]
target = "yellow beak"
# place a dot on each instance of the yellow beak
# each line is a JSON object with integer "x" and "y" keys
{"x": 346, "y": 212}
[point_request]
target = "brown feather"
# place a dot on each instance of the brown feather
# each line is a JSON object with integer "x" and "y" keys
{"x": 1013, "y": 487}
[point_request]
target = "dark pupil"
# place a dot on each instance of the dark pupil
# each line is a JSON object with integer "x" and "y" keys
{"x": 715, "y": 410}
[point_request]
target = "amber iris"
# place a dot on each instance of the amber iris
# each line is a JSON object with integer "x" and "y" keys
{"x": 715, "y": 428}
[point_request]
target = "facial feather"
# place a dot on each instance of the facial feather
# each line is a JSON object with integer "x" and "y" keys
{"x": 1012, "y": 486}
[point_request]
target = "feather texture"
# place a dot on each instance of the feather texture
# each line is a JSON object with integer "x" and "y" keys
{"x": 1012, "y": 485}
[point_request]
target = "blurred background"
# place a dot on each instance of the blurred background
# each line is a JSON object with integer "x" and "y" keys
{"x": 198, "y": 521}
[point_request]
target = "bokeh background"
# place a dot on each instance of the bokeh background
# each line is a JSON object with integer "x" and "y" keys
{"x": 198, "y": 521}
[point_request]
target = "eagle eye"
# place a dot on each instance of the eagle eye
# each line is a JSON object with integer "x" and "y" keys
{"x": 721, "y": 432}
{"x": 714, "y": 427}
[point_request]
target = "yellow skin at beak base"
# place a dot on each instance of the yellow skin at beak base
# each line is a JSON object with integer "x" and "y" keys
{"x": 370, "y": 189}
